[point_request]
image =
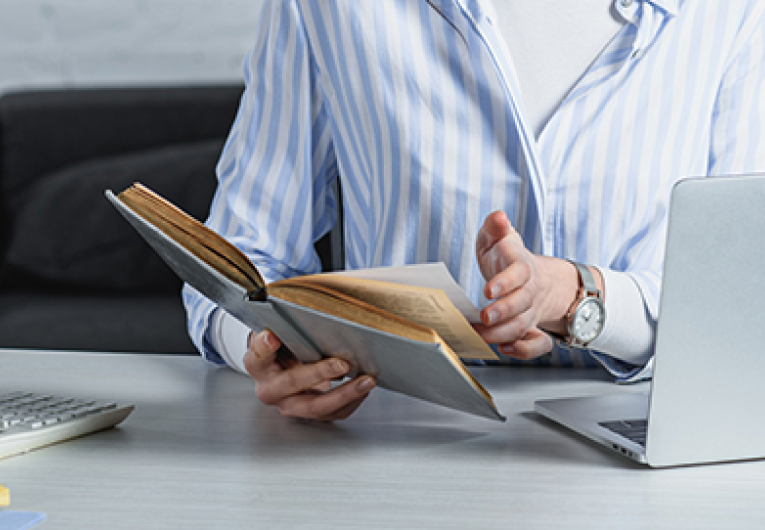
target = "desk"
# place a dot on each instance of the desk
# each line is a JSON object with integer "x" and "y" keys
{"x": 200, "y": 452}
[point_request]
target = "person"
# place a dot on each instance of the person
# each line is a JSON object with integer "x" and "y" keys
{"x": 524, "y": 144}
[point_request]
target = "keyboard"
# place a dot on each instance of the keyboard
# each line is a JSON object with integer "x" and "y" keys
{"x": 30, "y": 420}
{"x": 633, "y": 430}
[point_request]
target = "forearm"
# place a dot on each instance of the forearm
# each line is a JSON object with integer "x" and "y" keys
{"x": 629, "y": 331}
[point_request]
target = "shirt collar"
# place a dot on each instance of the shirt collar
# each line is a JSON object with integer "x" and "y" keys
{"x": 472, "y": 6}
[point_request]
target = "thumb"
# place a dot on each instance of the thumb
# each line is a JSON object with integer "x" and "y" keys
{"x": 495, "y": 227}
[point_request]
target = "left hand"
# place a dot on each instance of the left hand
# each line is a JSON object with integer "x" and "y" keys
{"x": 302, "y": 390}
{"x": 529, "y": 292}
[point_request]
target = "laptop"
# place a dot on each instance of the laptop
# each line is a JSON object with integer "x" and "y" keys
{"x": 707, "y": 395}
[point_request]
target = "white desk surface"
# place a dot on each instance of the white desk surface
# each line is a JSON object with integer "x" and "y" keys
{"x": 200, "y": 452}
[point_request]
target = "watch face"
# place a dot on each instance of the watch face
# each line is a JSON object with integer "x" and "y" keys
{"x": 588, "y": 320}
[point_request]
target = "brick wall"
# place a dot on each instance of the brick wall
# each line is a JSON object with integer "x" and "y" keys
{"x": 66, "y": 43}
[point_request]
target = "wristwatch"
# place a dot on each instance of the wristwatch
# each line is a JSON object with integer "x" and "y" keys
{"x": 587, "y": 315}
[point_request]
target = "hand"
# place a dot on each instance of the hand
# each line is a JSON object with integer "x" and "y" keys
{"x": 529, "y": 292}
{"x": 303, "y": 390}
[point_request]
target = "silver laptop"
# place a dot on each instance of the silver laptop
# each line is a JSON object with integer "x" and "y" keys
{"x": 707, "y": 395}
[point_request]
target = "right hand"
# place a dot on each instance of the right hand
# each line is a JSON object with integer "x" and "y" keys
{"x": 303, "y": 390}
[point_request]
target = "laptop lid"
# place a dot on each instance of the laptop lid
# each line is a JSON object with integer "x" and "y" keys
{"x": 706, "y": 395}
{"x": 707, "y": 391}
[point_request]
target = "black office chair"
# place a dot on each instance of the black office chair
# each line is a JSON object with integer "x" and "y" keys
{"x": 331, "y": 247}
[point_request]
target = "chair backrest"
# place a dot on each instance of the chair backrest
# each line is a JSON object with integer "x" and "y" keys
{"x": 331, "y": 247}
{"x": 45, "y": 131}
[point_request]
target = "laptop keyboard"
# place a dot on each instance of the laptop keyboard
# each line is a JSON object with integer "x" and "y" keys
{"x": 633, "y": 430}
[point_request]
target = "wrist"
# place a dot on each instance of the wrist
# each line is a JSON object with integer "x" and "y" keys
{"x": 563, "y": 287}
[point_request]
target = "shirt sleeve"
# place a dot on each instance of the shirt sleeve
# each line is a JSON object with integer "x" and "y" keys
{"x": 628, "y": 334}
{"x": 737, "y": 146}
{"x": 229, "y": 338}
{"x": 274, "y": 198}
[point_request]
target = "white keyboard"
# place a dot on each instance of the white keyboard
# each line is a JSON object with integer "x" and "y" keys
{"x": 30, "y": 420}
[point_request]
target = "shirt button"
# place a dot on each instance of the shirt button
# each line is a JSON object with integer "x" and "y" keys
{"x": 626, "y": 3}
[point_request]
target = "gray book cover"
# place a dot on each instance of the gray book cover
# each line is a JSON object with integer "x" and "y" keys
{"x": 421, "y": 370}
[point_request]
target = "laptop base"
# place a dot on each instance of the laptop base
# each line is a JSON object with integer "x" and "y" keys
{"x": 583, "y": 415}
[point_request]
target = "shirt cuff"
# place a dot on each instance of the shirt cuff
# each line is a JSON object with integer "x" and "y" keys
{"x": 229, "y": 338}
{"x": 629, "y": 331}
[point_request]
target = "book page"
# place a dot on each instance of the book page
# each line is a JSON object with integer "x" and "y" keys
{"x": 432, "y": 275}
{"x": 207, "y": 245}
{"x": 425, "y": 306}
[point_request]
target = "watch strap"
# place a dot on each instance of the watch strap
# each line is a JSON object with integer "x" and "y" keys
{"x": 588, "y": 282}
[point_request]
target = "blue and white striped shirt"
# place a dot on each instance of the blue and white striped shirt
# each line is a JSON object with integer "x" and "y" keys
{"x": 416, "y": 105}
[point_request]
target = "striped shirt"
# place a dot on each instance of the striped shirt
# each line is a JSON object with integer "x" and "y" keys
{"x": 416, "y": 105}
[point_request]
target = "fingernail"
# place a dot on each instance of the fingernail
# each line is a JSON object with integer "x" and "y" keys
{"x": 365, "y": 384}
{"x": 269, "y": 340}
{"x": 494, "y": 291}
{"x": 338, "y": 367}
{"x": 492, "y": 317}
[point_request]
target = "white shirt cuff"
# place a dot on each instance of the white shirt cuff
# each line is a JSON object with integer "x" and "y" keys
{"x": 229, "y": 338}
{"x": 629, "y": 331}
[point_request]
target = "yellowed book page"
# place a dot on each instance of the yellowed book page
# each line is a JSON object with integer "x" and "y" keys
{"x": 341, "y": 305}
{"x": 432, "y": 275}
{"x": 428, "y": 307}
{"x": 193, "y": 235}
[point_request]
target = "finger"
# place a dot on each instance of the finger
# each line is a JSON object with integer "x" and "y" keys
{"x": 507, "y": 308}
{"x": 497, "y": 251}
{"x": 324, "y": 386}
{"x": 495, "y": 227}
{"x": 508, "y": 281}
{"x": 506, "y": 331}
{"x": 273, "y": 389}
{"x": 335, "y": 404}
{"x": 534, "y": 344}
{"x": 347, "y": 410}
{"x": 261, "y": 353}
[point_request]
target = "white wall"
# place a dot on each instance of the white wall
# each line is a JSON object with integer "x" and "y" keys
{"x": 68, "y": 43}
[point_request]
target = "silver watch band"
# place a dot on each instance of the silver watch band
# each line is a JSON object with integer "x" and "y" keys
{"x": 588, "y": 282}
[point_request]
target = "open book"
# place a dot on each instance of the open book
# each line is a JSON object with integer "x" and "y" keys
{"x": 411, "y": 338}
